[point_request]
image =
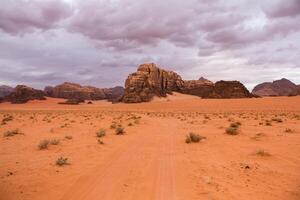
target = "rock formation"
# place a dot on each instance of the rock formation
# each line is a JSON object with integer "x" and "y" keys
{"x": 75, "y": 91}
{"x": 5, "y": 90}
{"x": 22, "y": 94}
{"x": 150, "y": 81}
{"x": 283, "y": 87}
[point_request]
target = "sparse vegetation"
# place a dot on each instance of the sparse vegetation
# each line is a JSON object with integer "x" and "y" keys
{"x": 258, "y": 136}
{"x": 54, "y": 141}
{"x": 61, "y": 161}
{"x": 68, "y": 137}
{"x": 6, "y": 118}
{"x": 288, "y": 130}
{"x": 263, "y": 153}
{"x": 12, "y": 133}
{"x": 100, "y": 141}
{"x": 43, "y": 144}
{"x": 278, "y": 120}
{"x": 113, "y": 125}
{"x": 101, "y": 133}
{"x": 233, "y": 129}
{"x": 268, "y": 123}
{"x": 193, "y": 138}
{"x": 120, "y": 130}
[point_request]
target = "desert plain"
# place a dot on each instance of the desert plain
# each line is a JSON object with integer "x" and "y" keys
{"x": 140, "y": 151}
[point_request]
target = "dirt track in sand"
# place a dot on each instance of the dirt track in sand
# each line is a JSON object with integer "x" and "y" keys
{"x": 152, "y": 161}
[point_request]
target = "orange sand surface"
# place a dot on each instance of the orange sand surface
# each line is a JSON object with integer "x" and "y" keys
{"x": 152, "y": 161}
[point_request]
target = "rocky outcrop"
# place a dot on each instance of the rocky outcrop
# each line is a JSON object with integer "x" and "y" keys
{"x": 75, "y": 91}
{"x": 5, "y": 90}
{"x": 229, "y": 90}
{"x": 23, "y": 94}
{"x": 150, "y": 81}
{"x": 283, "y": 87}
{"x": 201, "y": 87}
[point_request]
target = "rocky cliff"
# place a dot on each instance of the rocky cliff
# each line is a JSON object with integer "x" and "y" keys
{"x": 150, "y": 81}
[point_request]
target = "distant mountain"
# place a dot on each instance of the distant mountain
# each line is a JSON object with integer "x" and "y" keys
{"x": 282, "y": 87}
{"x": 5, "y": 90}
{"x": 69, "y": 90}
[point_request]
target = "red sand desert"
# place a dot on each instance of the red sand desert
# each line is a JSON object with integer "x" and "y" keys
{"x": 151, "y": 160}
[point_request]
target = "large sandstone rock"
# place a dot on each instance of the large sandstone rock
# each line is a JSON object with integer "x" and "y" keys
{"x": 5, "y": 90}
{"x": 283, "y": 87}
{"x": 229, "y": 90}
{"x": 150, "y": 81}
{"x": 23, "y": 94}
{"x": 201, "y": 87}
{"x": 75, "y": 91}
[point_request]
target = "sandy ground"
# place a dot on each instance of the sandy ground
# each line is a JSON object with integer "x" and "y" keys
{"x": 151, "y": 160}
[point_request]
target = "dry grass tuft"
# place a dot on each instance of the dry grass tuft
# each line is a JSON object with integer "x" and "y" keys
{"x": 193, "y": 138}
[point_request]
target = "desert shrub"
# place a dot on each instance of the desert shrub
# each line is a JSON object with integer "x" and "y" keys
{"x": 68, "y": 137}
{"x": 113, "y": 125}
{"x": 100, "y": 141}
{"x": 258, "y": 136}
{"x": 233, "y": 129}
{"x": 61, "y": 161}
{"x": 288, "y": 130}
{"x": 278, "y": 120}
{"x": 130, "y": 124}
{"x": 6, "y": 119}
{"x": 262, "y": 152}
{"x": 234, "y": 125}
{"x": 188, "y": 139}
{"x": 268, "y": 123}
{"x": 120, "y": 130}
{"x": 43, "y": 144}
{"x": 193, "y": 137}
{"x": 12, "y": 133}
{"x": 101, "y": 133}
{"x": 54, "y": 141}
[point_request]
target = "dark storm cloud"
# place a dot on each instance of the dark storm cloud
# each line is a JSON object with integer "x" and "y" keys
{"x": 98, "y": 42}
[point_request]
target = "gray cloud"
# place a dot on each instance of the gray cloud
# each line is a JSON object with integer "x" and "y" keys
{"x": 99, "y": 42}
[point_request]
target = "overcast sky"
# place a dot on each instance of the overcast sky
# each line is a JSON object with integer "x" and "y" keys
{"x": 99, "y": 42}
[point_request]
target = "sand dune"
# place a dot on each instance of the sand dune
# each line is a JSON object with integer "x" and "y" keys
{"x": 151, "y": 160}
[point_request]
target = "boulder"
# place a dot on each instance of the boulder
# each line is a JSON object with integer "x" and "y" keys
{"x": 23, "y": 94}
{"x": 282, "y": 87}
